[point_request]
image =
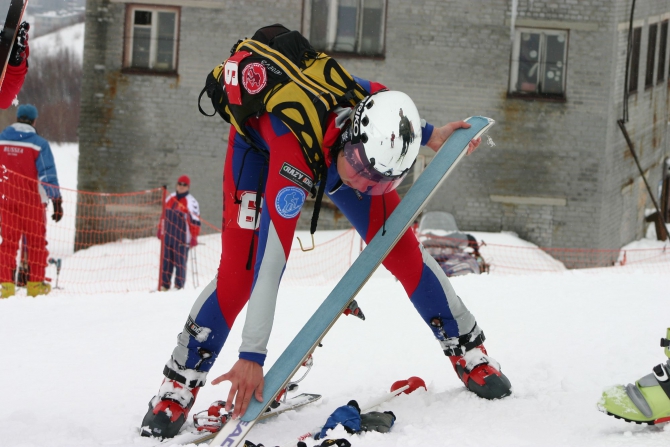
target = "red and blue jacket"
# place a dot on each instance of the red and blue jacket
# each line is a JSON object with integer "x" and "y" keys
{"x": 181, "y": 221}
{"x": 26, "y": 153}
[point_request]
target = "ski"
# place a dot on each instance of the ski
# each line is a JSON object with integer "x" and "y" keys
{"x": 191, "y": 436}
{"x": 9, "y": 31}
{"x": 234, "y": 432}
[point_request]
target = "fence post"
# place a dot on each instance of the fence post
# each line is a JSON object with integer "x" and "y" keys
{"x": 160, "y": 223}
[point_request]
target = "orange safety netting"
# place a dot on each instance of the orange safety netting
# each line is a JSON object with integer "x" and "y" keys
{"x": 523, "y": 259}
{"x": 108, "y": 243}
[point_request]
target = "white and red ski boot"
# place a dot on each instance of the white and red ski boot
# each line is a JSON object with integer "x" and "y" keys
{"x": 168, "y": 410}
{"x": 481, "y": 374}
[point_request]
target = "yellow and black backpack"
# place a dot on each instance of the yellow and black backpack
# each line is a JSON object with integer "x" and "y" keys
{"x": 279, "y": 72}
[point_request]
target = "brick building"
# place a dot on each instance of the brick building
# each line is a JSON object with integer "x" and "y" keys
{"x": 551, "y": 73}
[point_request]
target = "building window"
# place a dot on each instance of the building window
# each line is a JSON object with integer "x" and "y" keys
{"x": 634, "y": 60}
{"x": 662, "y": 45}
{"x": 152, "y": 35}
{"x": 346, "y": 26}
{"x": 651, "y": 56}
{"x": 539, "y": 62}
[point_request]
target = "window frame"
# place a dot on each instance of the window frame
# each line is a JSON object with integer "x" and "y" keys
{"x": 650, "y": 63}
{"x": 662, "y": 50}
{"x": 634, "y": 67}
{"x": 129, "y": 38}
{"x": 512, "y": 91}
{"x": 331, "y": 31}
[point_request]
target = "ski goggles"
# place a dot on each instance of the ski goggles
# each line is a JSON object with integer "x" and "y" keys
{"x": 365, "y": 178}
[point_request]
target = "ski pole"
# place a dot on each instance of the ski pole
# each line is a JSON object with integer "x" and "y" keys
{"x": 58, "y": 265}
{"x": 194, "y": 267}
{"x": 368, "y": 406}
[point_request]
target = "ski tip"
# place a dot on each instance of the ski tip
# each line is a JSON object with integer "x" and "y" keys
{"x": 488, "y": 120}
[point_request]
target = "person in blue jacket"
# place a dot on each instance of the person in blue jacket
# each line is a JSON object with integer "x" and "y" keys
{"x": 29, "y": 179}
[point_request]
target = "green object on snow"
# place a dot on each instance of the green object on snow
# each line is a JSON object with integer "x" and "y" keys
{"x": 645, "y": 402}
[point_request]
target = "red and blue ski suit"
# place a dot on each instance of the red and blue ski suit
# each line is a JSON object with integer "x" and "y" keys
{"x": 179, "y": 231}
{"x": 25, "y": 160}
{"x": 284, "y": 169}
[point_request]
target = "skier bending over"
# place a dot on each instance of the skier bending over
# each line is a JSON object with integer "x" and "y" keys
{"x": 265, "y": 154}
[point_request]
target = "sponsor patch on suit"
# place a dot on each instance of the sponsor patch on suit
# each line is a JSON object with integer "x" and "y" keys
{"x": 297, "y": 176}
{"x": 289, "y": 201}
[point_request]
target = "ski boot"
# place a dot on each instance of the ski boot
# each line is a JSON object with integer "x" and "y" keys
{"x": 481, "y": 374}
{"x": 478, "y": 372}
{"x": 7, "y": 289}
{"x": 168, "y": 410}
{"x": 645, "y": 402}
{"x": 38, "y": 288}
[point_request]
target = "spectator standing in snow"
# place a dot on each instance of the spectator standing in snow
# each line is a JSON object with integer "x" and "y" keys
{"x": 29, "y": 178}
{"x": 178, "y": 229}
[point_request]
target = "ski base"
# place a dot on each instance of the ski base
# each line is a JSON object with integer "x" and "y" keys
{"x": 9, "y": 31}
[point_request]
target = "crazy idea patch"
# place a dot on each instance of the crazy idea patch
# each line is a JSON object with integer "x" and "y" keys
{"x": 254, "y": 77}
{"x": 296, "y": 176}
{"x": 289, "y": 201}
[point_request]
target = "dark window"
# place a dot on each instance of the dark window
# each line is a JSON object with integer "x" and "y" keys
{"x": 651, "y": 56}
{"x": 151, "y": 42}
{"x": 347, "y": 26}
{"x": 662, "y": 45}
{"x": 539, "y": 62}
{"x": 634, "y": 68}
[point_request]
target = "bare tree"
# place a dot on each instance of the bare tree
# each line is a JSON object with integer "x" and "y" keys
{"x": 53, "y": 85}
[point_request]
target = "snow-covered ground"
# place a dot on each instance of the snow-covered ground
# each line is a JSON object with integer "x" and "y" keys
{"x": 79, "y": 370}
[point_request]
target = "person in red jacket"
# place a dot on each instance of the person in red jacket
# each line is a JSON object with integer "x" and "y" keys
{"x": 179, "y": 229}
{"x": 17, "y": 68}
{"x": 29, "y": 179}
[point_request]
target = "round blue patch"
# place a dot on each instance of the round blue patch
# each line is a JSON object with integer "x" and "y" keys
{"x": 289, "y": 201}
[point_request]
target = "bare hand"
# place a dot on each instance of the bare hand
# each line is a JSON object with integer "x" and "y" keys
{"x": 246, "y": 379}
{"x": 441, "y": 134}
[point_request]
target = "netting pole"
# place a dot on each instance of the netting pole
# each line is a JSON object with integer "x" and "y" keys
{"x": 162, "y": 238}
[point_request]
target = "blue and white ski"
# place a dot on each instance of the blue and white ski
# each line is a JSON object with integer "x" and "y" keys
{"x": 234, "y": 432}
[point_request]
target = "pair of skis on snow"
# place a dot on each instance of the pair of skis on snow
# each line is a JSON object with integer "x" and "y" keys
{"x": 233, "y": 432}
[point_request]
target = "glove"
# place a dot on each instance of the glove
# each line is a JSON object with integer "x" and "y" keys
{"x": 20, "y": 48}
{"x": 330, "y": 443}
{"x": 349, "y": 416}
{"x": 58, "y": 209}
{"x": 194, "y": 241}
{"x": 377, "y": 421}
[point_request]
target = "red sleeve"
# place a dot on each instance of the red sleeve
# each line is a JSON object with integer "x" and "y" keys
{"x": 11, "y": 85}
{"x": 195, "y": 230}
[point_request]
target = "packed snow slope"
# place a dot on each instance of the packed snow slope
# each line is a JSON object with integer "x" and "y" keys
{"x": 79, "y": 370}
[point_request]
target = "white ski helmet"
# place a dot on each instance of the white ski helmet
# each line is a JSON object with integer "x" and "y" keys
{"x": 385, "y": 141}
